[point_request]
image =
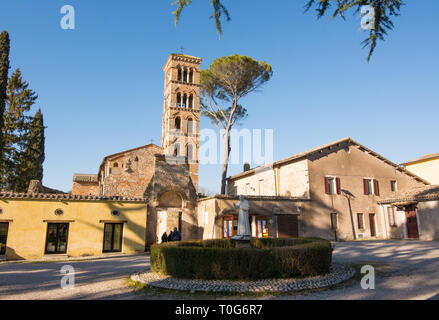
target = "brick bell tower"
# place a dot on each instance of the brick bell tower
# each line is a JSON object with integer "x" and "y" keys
{"x": 181, "y": 110}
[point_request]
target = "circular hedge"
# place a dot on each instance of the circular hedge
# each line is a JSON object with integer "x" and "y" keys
{"x": 221, "y": 260}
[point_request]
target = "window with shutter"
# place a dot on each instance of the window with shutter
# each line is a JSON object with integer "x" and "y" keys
{"x": 338, "y": 184}
{"x": 376, "y": 187}
{"x": 360, "y": 221}
{"x": 327, "y": 185}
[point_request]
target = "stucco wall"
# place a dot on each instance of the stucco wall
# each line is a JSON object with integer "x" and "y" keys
{"x": 27, "y": 226}
{"x": 239, "y": 186}
{"x": 428, "y": 170}
{"x": 428, "y": 217}
{"x": 351, "y": 166}
{"x": 294, "y": 179}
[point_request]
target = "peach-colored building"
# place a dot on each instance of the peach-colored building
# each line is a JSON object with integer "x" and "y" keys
{"x": 426, "y": 167}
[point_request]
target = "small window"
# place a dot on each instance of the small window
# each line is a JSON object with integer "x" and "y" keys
{"x": 360, "y": 221}
{"x": 59, "y": 212}
{"x": 261, "y": 187}
{"x": 190, "y": 153}
{"x": 190, "y": 126}
{"x": 391, "y": 215}
{"x": 178, "y": 123}
{"x": 393, "y": 186}
{"x": 332, "y": 185}
{"x": 184, "y": 103}
{"x": 116, "y": 165}
{"x": 178, "y": 100}
{"x": 115, "y": 213}
{"x": 367, "y": 186}
{"x": 136, "y": 159}
{"x": 177, "y": 150}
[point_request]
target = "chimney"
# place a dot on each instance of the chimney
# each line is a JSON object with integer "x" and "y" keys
{"x": 246, "y": 167}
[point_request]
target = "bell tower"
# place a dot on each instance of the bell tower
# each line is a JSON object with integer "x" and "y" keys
{"x": 181, "y": 110}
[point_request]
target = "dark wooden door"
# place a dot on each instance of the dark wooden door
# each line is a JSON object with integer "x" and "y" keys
{"x": 373, "y": 231}
{"x": 412, "y": 225}
{"x": 287, "y": 226}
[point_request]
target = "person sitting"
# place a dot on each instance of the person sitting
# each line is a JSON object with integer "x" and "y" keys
{"x": 176, "y": 235}
{"x": 164, "y": 237}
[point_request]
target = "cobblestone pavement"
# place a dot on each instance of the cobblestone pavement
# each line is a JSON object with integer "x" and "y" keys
{"x": 405, "y": 270}
{"x": 339, "y": 273}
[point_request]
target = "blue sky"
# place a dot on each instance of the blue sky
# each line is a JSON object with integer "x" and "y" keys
{"x": 100, "y": 86}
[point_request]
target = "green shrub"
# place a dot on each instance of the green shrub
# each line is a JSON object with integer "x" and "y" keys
{"x": 219, "y": 259}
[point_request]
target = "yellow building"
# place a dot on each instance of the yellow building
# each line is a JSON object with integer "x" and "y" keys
{"x": 35, "y": 226}
{"x": 426, "y": 167}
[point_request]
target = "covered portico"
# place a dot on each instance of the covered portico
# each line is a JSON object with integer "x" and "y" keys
{"x": 412, "y": 214}
{"x": 268, "y": 216}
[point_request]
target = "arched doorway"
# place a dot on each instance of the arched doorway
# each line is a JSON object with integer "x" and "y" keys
{"x": 169, "y": 213}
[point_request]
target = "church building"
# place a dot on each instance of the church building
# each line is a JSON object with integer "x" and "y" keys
{"x": 336, "y": 191}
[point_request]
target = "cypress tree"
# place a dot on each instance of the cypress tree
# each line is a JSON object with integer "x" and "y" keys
{"x": 4, "y": 69}
{"x": 16, "y": 132}
{"x": 31, "y": 166}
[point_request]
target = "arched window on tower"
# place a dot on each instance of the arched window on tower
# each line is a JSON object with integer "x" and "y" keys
{"x": 177, "y": 123}
{"x": 190, "y": 153}
{"x": 191, "y": 76}
{"x": 184, "y": 103}
{"x": 115, "y": 165}
{"x": 176, "y": 150}
{"x": 185, "y": 73}
{"x": 180, "y": 74}
{"x": 179, "y": 100}
{"x": 191, "y": 102}
{"x": 190, "y": 126}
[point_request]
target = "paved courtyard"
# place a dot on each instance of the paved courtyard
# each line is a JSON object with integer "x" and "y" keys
{"x": 405, "y": 270}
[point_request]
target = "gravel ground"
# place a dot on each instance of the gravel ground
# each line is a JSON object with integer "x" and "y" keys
{"x": 404, "y": 270}
{"x": 96, "y": 279}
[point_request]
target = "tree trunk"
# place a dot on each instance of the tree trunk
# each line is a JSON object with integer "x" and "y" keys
{"x": 225, "y": 161}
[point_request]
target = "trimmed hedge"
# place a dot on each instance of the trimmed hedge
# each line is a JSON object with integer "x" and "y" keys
{"x": 219, "y": 259}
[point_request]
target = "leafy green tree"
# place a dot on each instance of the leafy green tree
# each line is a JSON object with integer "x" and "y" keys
{"x": 384, "y": 10}
{"x": 31, "y": 163}
{"x": 219, "y": 11}
{"x": 19, "y": 100}
{"x": 4, "y": 70}
{"x": 227, "y": 80}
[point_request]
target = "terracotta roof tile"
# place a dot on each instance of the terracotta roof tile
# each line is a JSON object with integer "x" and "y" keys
{"x": 427, "y": 193}
{"x": 66, "y": 196}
